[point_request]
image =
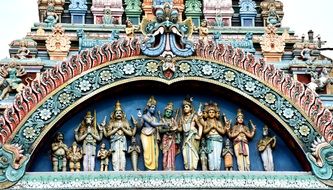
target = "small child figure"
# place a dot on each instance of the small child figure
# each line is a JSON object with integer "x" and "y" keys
{"x": 104, "y": 154}
{"x": 228, "y": 154}
{"x": 134, "y": 150}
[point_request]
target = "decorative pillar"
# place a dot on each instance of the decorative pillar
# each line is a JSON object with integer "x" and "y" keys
{"x": 147, "y": 7}
{"x": 271, "y": 7}
{"x": 99, "y": 6}
{"x": 247, "y": 13}
{"x": 272, "y": 45}
{"x": 43, "y": 4}
{"x": 179, "y": 4}
{"x": 78, "y": 10}
{"x": 193, "y": 10}
{"x": 58, "y": 44}
{"x": 223, "y": 8}
{"x": 133, "y": 11}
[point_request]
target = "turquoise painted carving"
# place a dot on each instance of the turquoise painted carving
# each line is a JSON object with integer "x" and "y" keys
{"x": 12, "y": 164}
{"x": 193, "y": 6}
{"x": 133, "y": 6}
{"x": 161, "y": 33}
{"x": 86, "y": 42}
{"x": 246, "y": 44}
{"x": 321, "y": 160}
{"x": 78, "y": 5}
{"x": 247, "y": 7}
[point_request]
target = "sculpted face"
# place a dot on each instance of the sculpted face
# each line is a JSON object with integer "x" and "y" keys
{"x": 152, "y": 109}
{"x": 89, "y": 120}
{"x": 211, "y": 114}
{"x": 265, "y": 131}
{"x": 103, "y": 145}
{"x": 60, "y": 137}
{"x": 187, "y": 108}
{"x": 240, "y": 119}
{"x": 119, "y": 114}
{"x": 168, "y": 113}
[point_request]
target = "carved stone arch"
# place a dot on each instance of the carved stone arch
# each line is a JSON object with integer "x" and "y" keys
{"x": 39, "y": 106}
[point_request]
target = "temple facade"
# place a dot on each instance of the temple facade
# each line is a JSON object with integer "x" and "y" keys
{"x": 165, "y": 94}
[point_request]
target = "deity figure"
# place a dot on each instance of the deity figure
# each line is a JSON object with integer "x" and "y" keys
{"x": 117, "y": 130}
{"x": 88, "y": 133}
{"x": 9, "y": 80}
{"x": 241, "y": 134}
{"x": 265, "y": 146}
{"x": 51, "y": 15}
{"x": 74, "y": 155}
{"x": 203, "y": 155}
{"x": 170, "y": 139}
{"x": 129, "y": 30}
{"x": 192, "y": 130}
{"x": 214, "y": 130}
{"x": 103, "y": 154}
{"x": 23, "y": 52}
{"x": 134, "y": 150}
{"x": 273, "y": 18}
{"x": 107, "y": 17}
{"x": 203, "y": 31}
{"x": 227, "y": 154}
{"x": 59, "y": 149}
{"x": 168, "y": 66}
{"x": 150, "y": 135}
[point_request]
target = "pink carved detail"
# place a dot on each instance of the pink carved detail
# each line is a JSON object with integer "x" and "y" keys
{"x": 270, "y": 73}
{"x": 260, "y": 68}
{"x": 308, "y": 100}
{"x": 51, "y": 79}
{"x": 279, "y": 79}
{"x": 324, "y": 120}
{"x": 249, "y": 63}
{"x": 328, "y": 133}
{"x": 219, "y": 53}
{"x": 239, "y": 58}
{"x": 229, "y": 55}
{"x": 297, "y": 92}
{"x": 287, "y": 85}
{"x": 316, "y": 110}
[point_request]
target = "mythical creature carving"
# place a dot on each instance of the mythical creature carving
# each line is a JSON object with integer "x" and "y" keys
{"x": 321, "y": 159}
{"x": 163, "y": 34}
{"x": 319, "y": 82}
{"x": 9, "y": 79}
{"x": 12, "y": 164}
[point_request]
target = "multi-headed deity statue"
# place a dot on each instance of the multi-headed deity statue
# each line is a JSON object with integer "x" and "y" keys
{"x": 134, "y": 150}
{"x": 213, "y": 131}
{"x": 192, "y": 130}
{"x": 103, "y": 155}
{"x": 88, "y": 133}
{"x": 150, "y": 135}
{"x": 170, "y": 139}
{"x": 74, "y": 155}
{"x": 265, "y": 146}
{"x": 241, "y": 134}
{"x": 227, "y": 154}
{"x": 117, "y": 130}
{"x": 59, "y": 149}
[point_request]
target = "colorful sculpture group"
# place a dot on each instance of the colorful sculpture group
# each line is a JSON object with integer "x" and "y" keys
{"x": 199, "y": 136}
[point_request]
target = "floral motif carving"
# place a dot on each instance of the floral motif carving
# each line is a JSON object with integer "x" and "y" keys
{"x": 58, "y": 43}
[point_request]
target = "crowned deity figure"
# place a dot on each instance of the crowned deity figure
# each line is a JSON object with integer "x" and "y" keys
{"x": 241, "y": 134}
{"x": 265, "y": 146}
{"x": 150, "y": 135}
{"x": 117, "y": 130}
{"x": 129, "y": 30}
{"x": 192, "y": 131}
{"x": 74, "y": 155}
{"x": 170, "y": 139}
{"x": 213, "y": 130}
{"x": 103, "y": 154}
{"x": 134, "y": 150}
{"x": 59, "y": 150}
{"x": 88, "y": 133}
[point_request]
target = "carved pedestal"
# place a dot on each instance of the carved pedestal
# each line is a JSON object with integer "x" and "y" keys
{"x": 271, "y": 57}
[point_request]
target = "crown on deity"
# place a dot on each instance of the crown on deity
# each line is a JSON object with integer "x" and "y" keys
{"x": 88, "y": 114}
{"x": 169, "y": 106}
{"x": 151, "y": 101}
{"x": 188, "y": 101}
{"x": 211, "y": 106}
{"x": 239, "y": 113}
{"x": 117, "y": 107}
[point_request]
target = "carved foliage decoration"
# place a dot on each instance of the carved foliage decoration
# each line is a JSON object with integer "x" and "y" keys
{"x": 272, "y": 42}
{"x": 58, "y": 41}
